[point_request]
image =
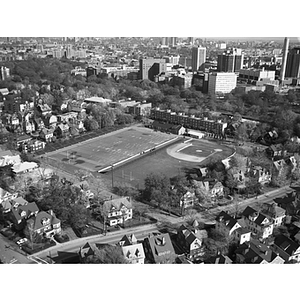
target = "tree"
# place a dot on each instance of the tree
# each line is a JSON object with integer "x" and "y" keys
{"x": 91, "y": 124}
{"x": 156, "y": 189}
{"x": 106, "y": 255}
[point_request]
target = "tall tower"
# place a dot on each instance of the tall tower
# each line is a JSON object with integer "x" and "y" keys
{"x": 284, "y": 58}
{"x": 198, "y": 58}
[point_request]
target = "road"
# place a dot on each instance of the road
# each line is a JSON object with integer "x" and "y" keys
{"x": 112, "y": 237}
{"x": 210, "y": 215}
{"x": 10, "y": 253}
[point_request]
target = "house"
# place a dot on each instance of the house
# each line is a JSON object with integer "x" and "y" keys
{"x": 33, "y": 146}
{"x": 87, "y": 250}
{"x": 212, "y": 188}
{"x": 263, "y": 176}
{"x": 44, "y": 223}
{"x": 190, "y": 242}
{"x": 219, "y": 259}
{"x": 24, "y": 167}
{"x": 134, "y": 253}
{"x": 9, "y": 204}
{"x": 46, "y": 134}
{"x": 76, "y": 106}
{"x": 28, "y": 127}
{"x": 117, "y": 211}
{"x": 69, "y": 117}
{"x": 276, "y": 150}
{"x": 23, "y": 212}
{"x": 6, "y": 195}
{"x": 6, "y": 160}
{"x": 254, "y": 252}
{"x": 50, "y": 121}
{"x": 287, "y": 249}
{"x": 159, "y": 249}
{"x": 22, "y": 139}
{"x": 242, "y": 234}
{"x": 85, "y": 192}
{"x": 62, "y": 130}
{"x": 128, "y": 239}
{"x": 280, "y": 165}
{"x": 258, "y": 223}
{"x": 226, "y": 224}
{"x": 44, "y": 108}
{"x": 276, "y": 213}
{"x": 39, "y": 124}
{"x": 189, "y": 199}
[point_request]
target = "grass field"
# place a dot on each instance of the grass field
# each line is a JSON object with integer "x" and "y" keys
{"x": 161, "y": 162}
{"x": 108, "y": 149}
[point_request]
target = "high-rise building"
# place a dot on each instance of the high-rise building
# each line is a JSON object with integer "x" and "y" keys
{"x": 172, "y": 41}
{"x": 284, "y": 59}
{"x": 164, "y": 41}
{"x": 198, "y": 58}
{"x": 149, "y": 67}
{"x": 230, "y": 61}
{"x": 4, "y": 74}
{"x": 191, "y": 40}
{"x": 221, "y": 83}
{"x": 293, "y": 63}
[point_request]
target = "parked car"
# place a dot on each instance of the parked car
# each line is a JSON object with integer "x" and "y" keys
{"x": 22, "y": 241}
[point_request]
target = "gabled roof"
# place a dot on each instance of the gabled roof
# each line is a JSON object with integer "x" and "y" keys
{"x": 134, "y": 251}
{"x": 128, "y": 239}
{"x": 116, "y": 204}
{"x": 161, "y": 246}
{"x": 8, "y": 204}
{"x": 38, "y": 219}
{"x": 248, "y": 211}
{"x": 226, "y": 219}
{"x": 221, "y": 259}
{"x": 286, "y": 244}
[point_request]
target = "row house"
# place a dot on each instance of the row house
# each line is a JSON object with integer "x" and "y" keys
{"x": 204, "y": 124}
{"x": 257, "y": 222}
{"x": 117, "y": 211}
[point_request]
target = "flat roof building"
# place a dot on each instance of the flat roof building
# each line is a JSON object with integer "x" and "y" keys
{"x": 221, "y": 83}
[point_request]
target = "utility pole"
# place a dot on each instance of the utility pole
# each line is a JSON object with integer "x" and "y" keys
{"x": 112, "y": 176}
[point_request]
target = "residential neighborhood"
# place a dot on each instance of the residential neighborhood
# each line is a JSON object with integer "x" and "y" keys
{"x": 149, "y": 151}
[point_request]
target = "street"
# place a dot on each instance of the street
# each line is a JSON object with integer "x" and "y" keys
{"x": 74, "y": 246}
